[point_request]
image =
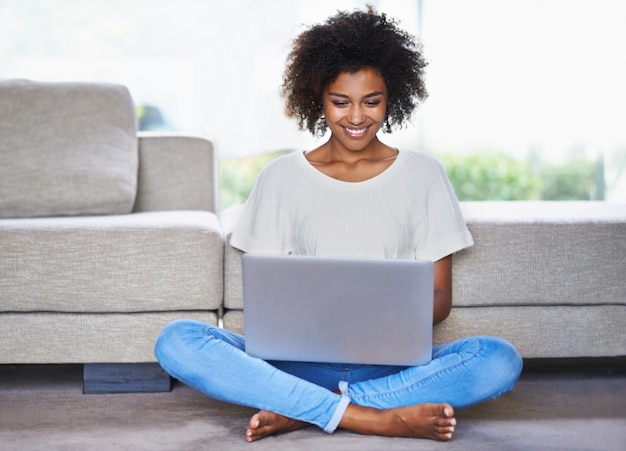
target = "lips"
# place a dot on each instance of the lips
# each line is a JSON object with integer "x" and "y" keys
{"x": 356, "y": 132}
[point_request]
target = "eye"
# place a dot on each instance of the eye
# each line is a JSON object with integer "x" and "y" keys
{"x": 339, "y": 103}
{"x": 372, "y": 103}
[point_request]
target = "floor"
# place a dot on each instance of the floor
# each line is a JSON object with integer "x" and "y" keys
{"x": 555, "y": 406}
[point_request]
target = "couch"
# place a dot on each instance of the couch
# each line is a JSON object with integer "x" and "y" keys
{"x": 106, "y": 235}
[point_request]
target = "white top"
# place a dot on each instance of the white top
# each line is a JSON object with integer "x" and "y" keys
{"x": 407, "y": 211}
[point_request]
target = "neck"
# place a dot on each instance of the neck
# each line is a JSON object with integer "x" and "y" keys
{"x": 333, "y": 151}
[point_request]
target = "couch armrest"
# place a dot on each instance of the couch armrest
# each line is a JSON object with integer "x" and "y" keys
{"x": 176, "y": 172}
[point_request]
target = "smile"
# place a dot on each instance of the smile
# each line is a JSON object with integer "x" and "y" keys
{"x": 356, "y": 132}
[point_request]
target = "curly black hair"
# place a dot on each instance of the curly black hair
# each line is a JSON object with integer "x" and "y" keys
{"x": 349, "y": 42}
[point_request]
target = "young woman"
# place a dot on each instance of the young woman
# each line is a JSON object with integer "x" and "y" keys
{"x": 355, "y": 74}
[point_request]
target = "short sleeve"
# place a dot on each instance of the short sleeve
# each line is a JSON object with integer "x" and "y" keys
{"x": 263, "y": 226}
{"x": 444, "y": 232}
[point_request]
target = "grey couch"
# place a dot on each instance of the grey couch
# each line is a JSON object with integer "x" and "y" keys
{"x": 106, "y": 236}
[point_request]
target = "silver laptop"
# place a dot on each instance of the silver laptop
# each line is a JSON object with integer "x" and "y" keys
{"x": 342, "y": 310}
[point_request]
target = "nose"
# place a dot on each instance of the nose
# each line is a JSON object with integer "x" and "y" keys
{"x": 356, "y": 115}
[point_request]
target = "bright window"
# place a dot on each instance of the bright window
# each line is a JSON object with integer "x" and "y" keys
{"x": 524, "y": 83}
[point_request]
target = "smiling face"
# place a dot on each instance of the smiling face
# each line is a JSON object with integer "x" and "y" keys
{"x": 355, "y": 105}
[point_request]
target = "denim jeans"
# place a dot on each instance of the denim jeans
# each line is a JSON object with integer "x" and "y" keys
{"x": 213, "y": 361}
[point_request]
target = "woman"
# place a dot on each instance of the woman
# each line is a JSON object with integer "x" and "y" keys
{"x": 353, "y": 196}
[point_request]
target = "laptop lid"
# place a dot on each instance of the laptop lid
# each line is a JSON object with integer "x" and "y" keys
{"x": 343, "y": 310}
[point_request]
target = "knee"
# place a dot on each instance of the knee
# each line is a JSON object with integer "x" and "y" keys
{"x": 505, "y": 361}
{"x": 165, "y": 337}
{"x": 173, "y": 336}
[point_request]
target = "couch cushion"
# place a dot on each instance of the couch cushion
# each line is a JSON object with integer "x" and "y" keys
{"x": 233, "y": 291}
{"x": 543, "y": 332}
{"x": 525, "y": 253}
{"x": 542, "y": 253}
{"x": 142, "y": 262}
{"x": 66, "y": 149}
{"x": 45, "y": 337}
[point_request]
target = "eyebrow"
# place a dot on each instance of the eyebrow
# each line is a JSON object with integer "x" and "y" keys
{"x": 372, "y": 94}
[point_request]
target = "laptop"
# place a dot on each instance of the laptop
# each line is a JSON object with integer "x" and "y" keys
{"x": 336, "y": 309}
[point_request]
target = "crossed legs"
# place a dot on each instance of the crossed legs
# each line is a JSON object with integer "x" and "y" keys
{"x": 400, "y": 401}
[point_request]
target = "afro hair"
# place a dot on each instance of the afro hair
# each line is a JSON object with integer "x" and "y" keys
{"x": 349, "y": 42}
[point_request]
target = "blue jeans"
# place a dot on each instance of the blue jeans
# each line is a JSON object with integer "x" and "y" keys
{"x": 213, "y": 361}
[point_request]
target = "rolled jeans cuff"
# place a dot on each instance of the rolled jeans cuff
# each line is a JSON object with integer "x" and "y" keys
{"x": 340, "y": 410}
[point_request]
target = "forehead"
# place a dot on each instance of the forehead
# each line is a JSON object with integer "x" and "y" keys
{"x": 361, "y": 82}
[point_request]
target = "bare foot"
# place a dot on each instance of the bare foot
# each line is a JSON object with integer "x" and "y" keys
{"x": 431, "y": 421}
{"x": 264, "y": 423}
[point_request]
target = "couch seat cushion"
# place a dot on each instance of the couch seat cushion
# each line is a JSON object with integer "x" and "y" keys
{"x": 142, "y": 262}
{"x": 542, "y": 253}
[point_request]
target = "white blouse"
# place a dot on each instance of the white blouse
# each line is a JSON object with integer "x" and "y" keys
{"x": 407, "y": 211}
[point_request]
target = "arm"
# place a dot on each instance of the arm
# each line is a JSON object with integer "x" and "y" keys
{"x": 443, "y": 289}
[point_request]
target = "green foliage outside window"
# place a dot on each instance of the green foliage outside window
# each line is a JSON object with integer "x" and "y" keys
{"x": 490, "y": 176}
{"x": 238, "y": 175}
{"x": 576, "y": 179}
{"x": 474, "y": 176}
{"x": 497, "y": 176}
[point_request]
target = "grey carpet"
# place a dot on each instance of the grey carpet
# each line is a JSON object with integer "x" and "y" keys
{"x": 43, "y": 408}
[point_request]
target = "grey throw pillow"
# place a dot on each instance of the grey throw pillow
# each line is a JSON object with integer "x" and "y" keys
{"x": 66, "y": 149}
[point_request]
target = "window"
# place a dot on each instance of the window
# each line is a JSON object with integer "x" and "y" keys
{"x": 538, "y": 81}
{"x": 531, "y": 88}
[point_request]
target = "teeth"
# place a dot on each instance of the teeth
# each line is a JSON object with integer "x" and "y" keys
{"x": 353, "y": 131}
